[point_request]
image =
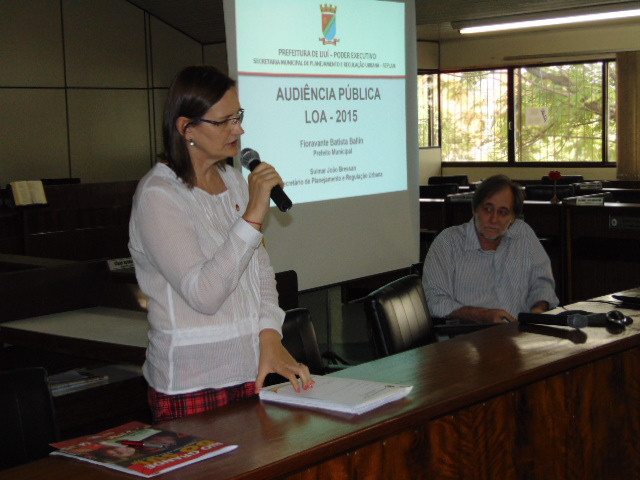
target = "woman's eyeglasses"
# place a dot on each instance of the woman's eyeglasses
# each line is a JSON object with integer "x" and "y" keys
{"x": 227, "y": 124}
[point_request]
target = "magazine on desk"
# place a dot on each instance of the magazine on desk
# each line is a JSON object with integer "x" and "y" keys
{"x": 140, "y": 449}
{"x": 337, "y": 394}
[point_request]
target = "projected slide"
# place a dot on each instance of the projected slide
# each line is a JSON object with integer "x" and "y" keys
{"x": 323, "y": 87}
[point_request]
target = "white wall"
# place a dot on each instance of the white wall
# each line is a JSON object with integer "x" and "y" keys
{"x": 430, "y": 164}
{"x": 428, "y": 55}
{"x": 558, "y": 45}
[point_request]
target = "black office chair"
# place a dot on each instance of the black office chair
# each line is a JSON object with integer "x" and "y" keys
{"x": 27, "y": 418}
{"x": 287, "y": 286}
{"x": 457, "y": 179}
{"x": 438, "y": 191}
{"x": 545, "y": 192}
{"x": 398, "y": 318}
{"x": 299, "y": 338}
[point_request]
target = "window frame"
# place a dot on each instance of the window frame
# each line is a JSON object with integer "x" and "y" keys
{"x": 511, "y": 144}
{"x": 438, "y": 113}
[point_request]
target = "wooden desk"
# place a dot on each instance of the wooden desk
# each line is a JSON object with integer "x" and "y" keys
{"x": 86, "y": 337}
{"x": 432, "y": 222}
{"x": 547, "y": 221}
{"x": 505, "y": 402}
{"x": 602, "y": 249}
{"x": 101, "y": 333}
{"x": 80, "y": 221}
{"x": 432, "y": 214}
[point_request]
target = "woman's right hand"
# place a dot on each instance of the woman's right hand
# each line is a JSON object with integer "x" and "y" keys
{"x": 275, "y": 358}
{"x": 261, "y": 181}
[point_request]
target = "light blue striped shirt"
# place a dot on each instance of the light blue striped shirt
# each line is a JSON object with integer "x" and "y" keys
{"x": 458, "y": 273}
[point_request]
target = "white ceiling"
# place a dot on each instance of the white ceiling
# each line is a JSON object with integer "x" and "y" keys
{"x": 203, "y": 20}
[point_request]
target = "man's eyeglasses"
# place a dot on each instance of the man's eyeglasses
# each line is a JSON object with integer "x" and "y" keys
{"x": 227, "y": 124}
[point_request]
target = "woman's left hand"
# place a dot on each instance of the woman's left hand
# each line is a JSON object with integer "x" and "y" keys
{"x": 261, "y": 181}
{"x": 274, "y": 358}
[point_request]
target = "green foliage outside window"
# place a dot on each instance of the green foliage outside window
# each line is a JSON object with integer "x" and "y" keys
{"x": 474, "y": 116}
{"x": 571, "y": 98}
{"x": 558, "y": 114}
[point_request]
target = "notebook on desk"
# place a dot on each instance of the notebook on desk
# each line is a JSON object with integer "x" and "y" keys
{"x": 629, "y": 297}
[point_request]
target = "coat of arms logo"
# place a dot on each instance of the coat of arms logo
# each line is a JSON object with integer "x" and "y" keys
{"x": 329, "y": 24}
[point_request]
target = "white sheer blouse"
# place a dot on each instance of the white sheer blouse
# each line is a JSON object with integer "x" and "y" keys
{"x": 208, "y": 279}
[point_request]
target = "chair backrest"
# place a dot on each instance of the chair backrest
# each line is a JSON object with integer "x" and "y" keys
{"x": 545, "y": 192}
{"x": 27, "y": 418}
{"x": 287, "y": 286}
{"x": 564, "y": 180}
{"x": 299, "y": 338}
{"x": 440, "y": 179}
{"x": 398, "y": 317}
{"x": 440, "y": 190}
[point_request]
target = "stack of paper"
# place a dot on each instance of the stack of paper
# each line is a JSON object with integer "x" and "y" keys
{"x": 73, "y": 380}
{"x": 337, "y": 394}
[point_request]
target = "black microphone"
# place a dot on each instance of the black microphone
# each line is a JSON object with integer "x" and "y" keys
{"x": 573, "y": 321}
{"x": 250, "y": 159}
{"x": 614, "y": 317}
{"x": 576, "y": 320}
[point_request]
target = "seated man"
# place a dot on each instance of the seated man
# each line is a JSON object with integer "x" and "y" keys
{"x": 491, "y": 268}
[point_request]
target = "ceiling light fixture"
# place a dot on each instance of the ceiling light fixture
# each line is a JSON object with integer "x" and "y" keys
{"x": 561, "y": 17}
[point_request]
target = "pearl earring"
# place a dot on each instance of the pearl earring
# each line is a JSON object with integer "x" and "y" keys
{"x": 191, "y": 142}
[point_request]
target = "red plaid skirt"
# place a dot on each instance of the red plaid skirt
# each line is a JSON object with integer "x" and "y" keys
{"x": 167, "y": 407}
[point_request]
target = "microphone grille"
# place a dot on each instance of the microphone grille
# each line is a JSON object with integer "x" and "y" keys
{"x": 247, "y": 156}
{"x": 577, "y": 320}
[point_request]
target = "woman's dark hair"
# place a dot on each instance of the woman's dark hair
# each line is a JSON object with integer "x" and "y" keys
{"x": 493, "y": 185}
{"x": 193, "y": 92}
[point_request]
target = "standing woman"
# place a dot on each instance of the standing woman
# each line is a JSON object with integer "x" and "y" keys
{"x": 195, "y": 239}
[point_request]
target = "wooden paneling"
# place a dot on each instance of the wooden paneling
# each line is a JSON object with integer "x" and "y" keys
{"x": 79, "y": 222}
{"x": 568, "y": 426}
{"x": 99, "y": 408}
{"x": 48, "y": 289}
{"x": 602, "y": 249}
